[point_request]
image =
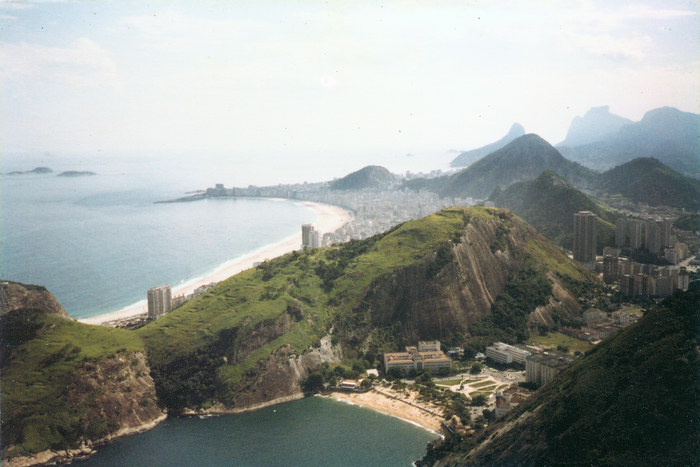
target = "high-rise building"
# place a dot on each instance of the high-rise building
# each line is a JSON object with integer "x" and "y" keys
{"x": 610, "y": 269}
{"x": 621, "y": 232}
{"x": 315, "y": 239}
{"x": 306, "y": 230}
{"x": 666, "y": 230}
{"x": 634, "y": 229}
{"x": 652, "y": 237}
{"x": 584, "y": 237}
{"x": 159, "y": 301}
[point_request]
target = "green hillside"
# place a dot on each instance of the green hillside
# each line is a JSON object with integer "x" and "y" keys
{"x": 647, "y": 180}
{"x": 633, "y": 400}
{"x": 549, "y": 203}
{"x": 369, "y": 177}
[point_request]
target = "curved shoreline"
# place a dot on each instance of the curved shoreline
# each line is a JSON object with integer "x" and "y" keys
{"x": 330, "y": 218}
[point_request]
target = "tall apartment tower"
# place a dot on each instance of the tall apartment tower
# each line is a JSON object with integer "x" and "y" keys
{"x": 634, "y": 227}
{"x": 652, "y": 238}
{"x": 584, "y": 236}
{"x": 621, "y": 232}
{"x": 159, "y": 301}
{"x": 306, "y": 236}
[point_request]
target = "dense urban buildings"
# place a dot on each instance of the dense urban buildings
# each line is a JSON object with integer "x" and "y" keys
{"x": 159, "y": 301}
{"x": 585, "y": 237}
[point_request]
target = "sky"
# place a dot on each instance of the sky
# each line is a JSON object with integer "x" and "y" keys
{"x": 319, "y": 80}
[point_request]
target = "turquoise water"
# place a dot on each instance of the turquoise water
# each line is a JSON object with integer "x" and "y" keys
{"x": 308, "y": 432}
{"x": 98, "y": 243}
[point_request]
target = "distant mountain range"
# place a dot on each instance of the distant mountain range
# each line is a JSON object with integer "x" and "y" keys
{"x": 468, "y": 157}
{"x": 667, "y": 134}
{"x": 372, "y": 176}
{"x": 549, "y": 203}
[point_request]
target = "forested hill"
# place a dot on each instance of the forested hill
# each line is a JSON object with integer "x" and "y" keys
{"x": 633, "y": 400}
{"x": 549, "y": 203}
{"x": 649, "y": 181}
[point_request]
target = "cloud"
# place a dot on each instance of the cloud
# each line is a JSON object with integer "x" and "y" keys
{"x": 83, "y": 64}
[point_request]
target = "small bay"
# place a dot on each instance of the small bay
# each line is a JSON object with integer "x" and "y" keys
{"x": 308, "y": 432}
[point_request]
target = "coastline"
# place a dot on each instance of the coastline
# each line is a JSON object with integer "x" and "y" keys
{"x": 330, "y": 218}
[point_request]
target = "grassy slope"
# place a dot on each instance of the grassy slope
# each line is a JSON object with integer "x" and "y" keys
{"x": 37, "y": 414}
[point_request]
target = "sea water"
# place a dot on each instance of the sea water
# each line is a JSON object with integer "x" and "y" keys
{"x": 308, "y": 432}
{"x": 98, "y": 243}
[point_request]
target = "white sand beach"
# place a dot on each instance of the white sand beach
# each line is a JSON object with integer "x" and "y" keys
{"x": 330, "y": 219}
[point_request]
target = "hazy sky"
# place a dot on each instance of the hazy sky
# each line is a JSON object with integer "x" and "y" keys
{"x": 334, "y": 78}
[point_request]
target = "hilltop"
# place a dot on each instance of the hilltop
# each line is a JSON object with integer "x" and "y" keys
{"x": 461, "y": 275}
{"x": 549, "y": 203}
{"x": 667, "y": 134}
{"x": 468, "y": 157}
{"x": 649, "y": 181}
{"x": 522, "y": 159}
{"x": 632, "y": 400}
{"x": 370, "y": 177}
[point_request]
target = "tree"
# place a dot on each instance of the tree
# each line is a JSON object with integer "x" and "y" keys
{"x": 479, "y": 400}
{"x": 476, "y": 368}
{"x": 313, "y": 382}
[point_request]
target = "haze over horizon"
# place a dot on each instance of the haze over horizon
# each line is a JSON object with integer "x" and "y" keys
{"x": 270, "y": 81}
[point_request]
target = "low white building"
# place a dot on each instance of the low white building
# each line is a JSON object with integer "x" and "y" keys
{"x": 503, "y": 353}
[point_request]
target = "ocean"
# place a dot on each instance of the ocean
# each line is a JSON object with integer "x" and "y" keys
{"x": 308, "y": 432}
{"x": 98, "y": 243}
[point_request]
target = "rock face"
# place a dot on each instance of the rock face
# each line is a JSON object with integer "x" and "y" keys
{"x": 15, "y": 296}
{"x": 490, "y": 253}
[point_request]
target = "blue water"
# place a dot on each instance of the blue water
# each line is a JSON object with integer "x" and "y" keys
{"x": 308, "y": 432}
{"x": 99, "y": 242}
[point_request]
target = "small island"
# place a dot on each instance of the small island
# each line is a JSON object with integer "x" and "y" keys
{"x": 76, "y": 173}
{"x": 37, "y": 170}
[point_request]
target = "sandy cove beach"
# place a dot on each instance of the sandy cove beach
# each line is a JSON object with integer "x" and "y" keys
{"x": 330, "y": 219}
{"x": 397, "y": 405}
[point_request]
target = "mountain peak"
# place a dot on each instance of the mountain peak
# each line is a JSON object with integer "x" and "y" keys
{"x": 468, "y": 157}
{"x": 597, "y": 124}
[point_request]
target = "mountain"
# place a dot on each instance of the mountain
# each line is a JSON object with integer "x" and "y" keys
{"x": 597, "y": 124}
{"x": 549, "y": 203}
{"x": 632, "y": 400}
{"x": 647, "y": 180}
{"x": 522, "y": 159}
{"x": 37, "y": 170}
{"x": 370, "y": 177}
{"x": 255, "y": 337}
{"x": 468, "y": 157}
{"x": 667, "y": 134}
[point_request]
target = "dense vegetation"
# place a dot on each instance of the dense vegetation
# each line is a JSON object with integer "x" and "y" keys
{"x": 688, "y": 222}
{"x": 632, "y": 400}
{"x": 549, "y": 203}
{"x": 646, "y": 180}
